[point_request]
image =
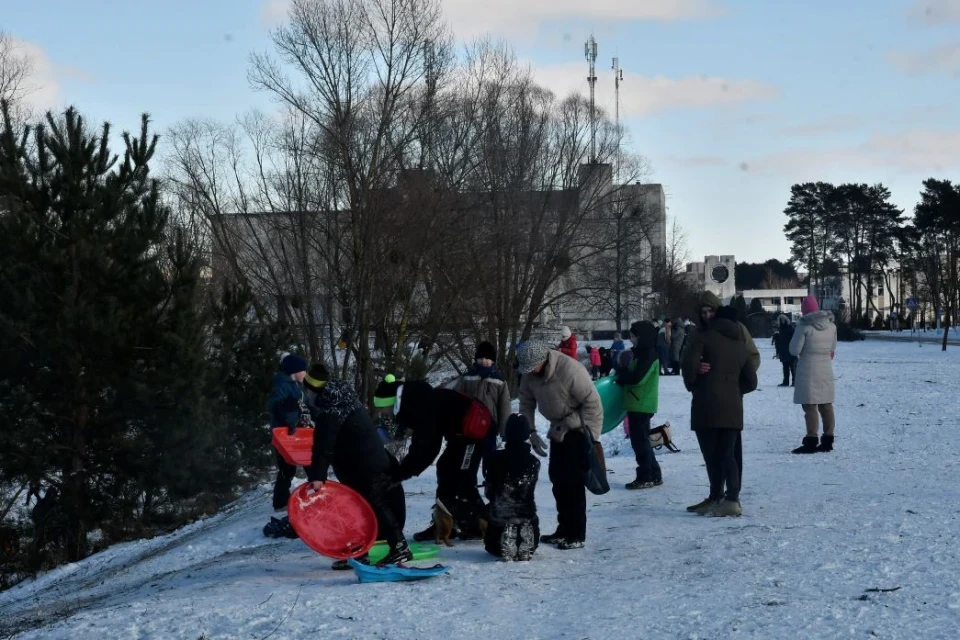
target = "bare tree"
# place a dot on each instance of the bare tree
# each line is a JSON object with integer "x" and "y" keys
{"x": 15, "y": 70}
{"x": 361, "y": 69}
{"x": 673, "y": 292}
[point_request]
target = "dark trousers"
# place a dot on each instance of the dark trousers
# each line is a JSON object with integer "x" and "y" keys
{"x": 648, "y": 469}
{"x": 724, "y": 467}
{"x": 568, "y": 461}
{"x": 789, "y": 368}
{"x": 281, "y": 487}
{"x": 489, "y": 447}
{"x": 389, "y": 504}
{"x": 457, "y": 489}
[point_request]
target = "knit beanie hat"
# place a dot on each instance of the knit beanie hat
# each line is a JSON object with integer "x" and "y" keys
{"x": 385, "y": 394}
{"x": 486, "y": 350}
{"x": 517, "y": 429}
{"x": 532, "y": 355}
{"x": 291, "y": 363}
{"x": 316, "y": 377}
{"x": 809, "y": 305}
{"x": 565, "y": 333}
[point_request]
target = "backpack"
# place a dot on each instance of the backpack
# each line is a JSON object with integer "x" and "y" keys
{"x": 477, "y": 419}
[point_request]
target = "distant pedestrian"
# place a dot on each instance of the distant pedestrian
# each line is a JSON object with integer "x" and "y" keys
{"x": 815, "y": 344}
{"x": 782, "y": 343}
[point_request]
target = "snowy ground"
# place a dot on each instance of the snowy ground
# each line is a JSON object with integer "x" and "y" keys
{"x": 859, "y": 543}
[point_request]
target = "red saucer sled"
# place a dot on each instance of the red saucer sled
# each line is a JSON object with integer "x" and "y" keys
{"x": 296, "y": 449}
{"x": 335, "y": 522}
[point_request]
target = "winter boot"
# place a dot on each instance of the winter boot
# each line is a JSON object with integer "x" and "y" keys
{"x": 643, "y": 484}
{"x": 509, "y": 543}
{"x": 426, "y": 535}
{"x": 809, "y": 445}
{"x": 400, "y": 554}
{"x": 826, "y": 444}
{"x": 344, "y": 565}
{"x": 526, "y": 542}
{"x": 725, "y": 509}
{"x": 279, "y": 528}
{"x": 567, "y": 545}
{"x": 702, "y": 506}
{"x": 552, "y": 538}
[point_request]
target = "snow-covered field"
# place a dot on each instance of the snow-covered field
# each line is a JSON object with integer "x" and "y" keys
{"x": 859, "y": 543}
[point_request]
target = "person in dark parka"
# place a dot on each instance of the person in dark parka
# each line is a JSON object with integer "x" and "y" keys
{"x": 718, "y": 371}
{"x": 435, "y": 415}
{"x": 513, "y": 531}
{"x": 345, "y": 436}
{"x": 782, "y": 343}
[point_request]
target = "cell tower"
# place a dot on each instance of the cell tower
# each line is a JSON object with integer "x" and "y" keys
{"x": 590, "y": 51}
{"x": 617, "y": 79}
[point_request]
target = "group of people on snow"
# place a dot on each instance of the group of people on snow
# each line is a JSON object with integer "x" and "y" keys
{"x": 718, "y": 361}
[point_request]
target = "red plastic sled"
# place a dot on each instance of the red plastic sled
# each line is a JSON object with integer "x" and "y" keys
{"x": 296, "y": 449}
{"x": 335, "y": 522}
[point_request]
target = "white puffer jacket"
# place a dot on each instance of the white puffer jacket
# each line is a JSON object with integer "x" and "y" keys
{"x": 814, "y": 343}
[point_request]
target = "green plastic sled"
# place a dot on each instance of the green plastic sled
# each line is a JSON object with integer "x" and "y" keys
{"x": 420, "y": 551}
{"x": 611, "y": 396}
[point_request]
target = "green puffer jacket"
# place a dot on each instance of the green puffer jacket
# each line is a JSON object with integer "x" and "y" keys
{"x": 644, "y": 396}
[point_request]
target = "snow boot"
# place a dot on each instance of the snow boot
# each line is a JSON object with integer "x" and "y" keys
{"x": 526, "y": 542}
{"x": 551, "y": 538}
{"x": 725, "y": 509}
{"x": 509, "y": 543}
{"x": 702, "y": 506}
{"x": 567, "y": 545}
{"x": 344, "y": 565}
{"x": 826, "y": 444}
{"x": 426, "y": 535}
{"x": 809, "y": 445}
{"x": 279, "y": 528}
{"x": 398, "y": 555}
{"x": 643, "y": 484}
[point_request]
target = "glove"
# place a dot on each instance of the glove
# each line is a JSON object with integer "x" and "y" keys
{"x": 538, "y": 444}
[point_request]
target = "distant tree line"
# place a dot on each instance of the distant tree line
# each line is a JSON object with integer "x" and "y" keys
{"x": 856, "y": 230}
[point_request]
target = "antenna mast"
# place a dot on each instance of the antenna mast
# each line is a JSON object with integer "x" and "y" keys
{"x": 590, "y": 51}
{"x": 617, "y": 79}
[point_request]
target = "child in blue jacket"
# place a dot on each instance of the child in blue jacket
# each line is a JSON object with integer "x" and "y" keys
{"x": 287, "y": 407}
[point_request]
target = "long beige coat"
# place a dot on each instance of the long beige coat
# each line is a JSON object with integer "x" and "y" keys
{"x": 565, "y": 395}
{"x": 814, "y": 341}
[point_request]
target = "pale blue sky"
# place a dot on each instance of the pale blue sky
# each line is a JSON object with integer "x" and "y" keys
{"x": 732, "y": 101}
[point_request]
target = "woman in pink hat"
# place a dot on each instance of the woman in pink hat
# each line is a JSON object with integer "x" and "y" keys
{"x": 814, "y": 343}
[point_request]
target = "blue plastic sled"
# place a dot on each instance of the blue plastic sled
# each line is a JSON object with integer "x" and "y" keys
{"x": 395, "y": 573}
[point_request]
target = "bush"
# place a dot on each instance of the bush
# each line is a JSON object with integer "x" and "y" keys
{"x": 847, "y": 333}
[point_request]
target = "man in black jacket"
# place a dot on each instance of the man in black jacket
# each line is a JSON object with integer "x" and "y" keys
{"x": 346, "y": 437}
{"x": 435, "y": 415}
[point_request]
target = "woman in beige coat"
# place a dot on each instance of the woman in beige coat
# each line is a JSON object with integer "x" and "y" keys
{"x": 815, "y": 343}
{"x": 561, "y": 390}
